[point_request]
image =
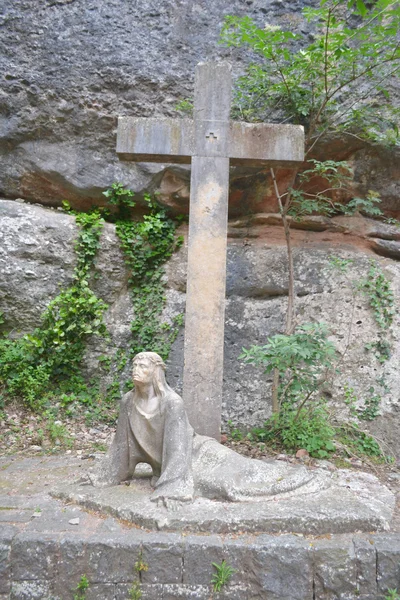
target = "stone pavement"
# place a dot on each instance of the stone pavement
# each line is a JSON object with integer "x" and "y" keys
{"x": 46, "y": 546}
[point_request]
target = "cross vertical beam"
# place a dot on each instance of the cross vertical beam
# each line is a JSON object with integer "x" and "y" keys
{"x": 210, "y": 142}
{"x": 205, "y": 296}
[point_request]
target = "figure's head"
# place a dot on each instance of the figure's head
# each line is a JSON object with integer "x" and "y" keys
{"x": 149, "y": 367}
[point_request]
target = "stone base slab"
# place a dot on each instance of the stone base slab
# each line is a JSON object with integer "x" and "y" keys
{"x": 342, "y": 502}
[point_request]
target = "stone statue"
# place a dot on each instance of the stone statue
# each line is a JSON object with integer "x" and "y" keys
{"x": 153, "y": 428}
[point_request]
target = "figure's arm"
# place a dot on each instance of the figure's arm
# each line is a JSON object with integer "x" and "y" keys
{"x": 176, "y": 480}
{"x": 116, "y": 466}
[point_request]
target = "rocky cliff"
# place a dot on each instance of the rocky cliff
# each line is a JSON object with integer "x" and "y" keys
{"x": 37, "y": 260}
{"x": 70, "y": 67}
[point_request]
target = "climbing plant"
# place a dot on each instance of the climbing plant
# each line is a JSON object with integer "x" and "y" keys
{"x": 378, "y": 290}
{"x": 49, "y": 358}
{"x": 147, "y": 243}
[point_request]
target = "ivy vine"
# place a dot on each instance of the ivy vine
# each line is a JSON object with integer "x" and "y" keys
{"x": 380, "y": 295}
{"x": 48, "y": 360}
{"x": 147, "y": 244}
{"x": 45, "y": 364}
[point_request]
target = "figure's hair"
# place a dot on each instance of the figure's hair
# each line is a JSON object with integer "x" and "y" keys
{"x": 160, "y": 384}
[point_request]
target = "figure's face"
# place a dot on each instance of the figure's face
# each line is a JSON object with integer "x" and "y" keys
{"x": 142, "y": 371}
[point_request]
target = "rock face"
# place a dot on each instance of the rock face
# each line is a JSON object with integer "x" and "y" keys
{"x": 70, "y": 67}
{"x": 37, "y": 259}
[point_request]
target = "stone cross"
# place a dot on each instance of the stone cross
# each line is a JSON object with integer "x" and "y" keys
{"x": 210, "y": 142}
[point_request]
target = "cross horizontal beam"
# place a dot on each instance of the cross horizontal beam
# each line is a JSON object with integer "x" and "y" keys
{"x": 178, "y": 140}
{"x": 210, "y": 143}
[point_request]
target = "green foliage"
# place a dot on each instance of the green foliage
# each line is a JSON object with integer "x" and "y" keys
{"x": 301, "y": 358}
{"x": 185, "y": 107}
{"x": 366, "y": 205}
{"x": 392, "y": 594}
{"x": 222, "y": 575}
{"x": 381, "y": 349}
{"x": 337, "y": 176}
{"x": 147, "y": 244}
{"x": 122, "y": 198}
{"x": 350, "y": 399}
{"x": 50, "y": 357}
{"x": 135, "y": 592}
{"x": 357, "y": 440}
{"x": 309, "y": 429}
{"x": 340, "y": 264}
{"x": 234, "y": 433}
{"x": 81, "y": 588}
{"x": 58, "y": 433}
{"x": 335, "y": 82}
{"x": 87, "y": 243}
{"x": 371, "y": 406}
{"x": 380, "y": 296}
{"x": 140, "y": 564}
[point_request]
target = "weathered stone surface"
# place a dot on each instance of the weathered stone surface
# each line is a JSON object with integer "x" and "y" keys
{"x": 163, "y": 555}
{"x": 210, "y": 140}
{"x": 348, "y": 502}
{"x": 205, "y": 303}
{"x": 31, "y": 590}
{"x": 279, "y": 567}
{"x": 186, "y": 592}
{"x": 284, "y": 567}
{"x": 72, "y": 555}
{"x": 30, "y": 558}
{"x": 7, "y": 533}
{"x": 198, "y": 556}
{"x": 70, "y": 69}
{"x": 177, "y": 140}
{"x": 377, "y": 168}
{"x": 387, "y": 248}
{"x": 112, "y": 558}
{"x": 105, "y": 591}
{"x": 365, "y": 554}
{"x": 388, "y": 563}
{"x": 37, "y": 258}
{"x": 334, "y": 570}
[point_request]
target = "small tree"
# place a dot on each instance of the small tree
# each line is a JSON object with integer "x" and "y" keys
{"x": 340, "y": 83}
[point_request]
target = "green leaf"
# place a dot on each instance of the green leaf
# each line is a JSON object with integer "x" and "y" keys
{"x": 361, "y": 8}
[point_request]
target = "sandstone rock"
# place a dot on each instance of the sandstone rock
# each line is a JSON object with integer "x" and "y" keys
{"x": 387, "y": 248}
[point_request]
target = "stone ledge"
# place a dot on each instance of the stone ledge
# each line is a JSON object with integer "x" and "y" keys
{"x": 359, "y": 566}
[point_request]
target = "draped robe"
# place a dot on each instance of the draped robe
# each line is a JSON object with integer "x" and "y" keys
{"x": 184, "y": 463}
